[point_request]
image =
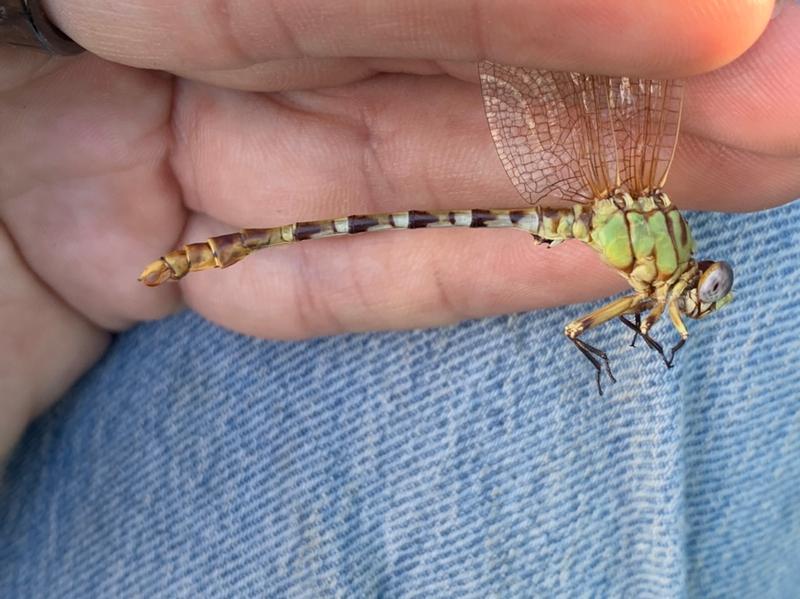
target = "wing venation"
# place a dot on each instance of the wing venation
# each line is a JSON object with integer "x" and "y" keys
{"x": 576, "y": 137}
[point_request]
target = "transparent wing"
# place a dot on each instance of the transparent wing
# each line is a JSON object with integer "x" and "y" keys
{"x": 646, "y": 114}
{"x": 575, "y": 137}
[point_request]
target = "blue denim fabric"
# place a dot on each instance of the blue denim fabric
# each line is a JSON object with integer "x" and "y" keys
{"x": 470, "y": 461}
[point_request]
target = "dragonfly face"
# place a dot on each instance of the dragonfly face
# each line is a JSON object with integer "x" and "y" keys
{"x": 710, "y": 290}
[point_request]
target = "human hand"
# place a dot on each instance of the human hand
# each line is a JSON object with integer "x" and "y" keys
{"x": 107, "y": 164}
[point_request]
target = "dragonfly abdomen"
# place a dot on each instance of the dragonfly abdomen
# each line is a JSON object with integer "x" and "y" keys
{"x": 545, "y": 224}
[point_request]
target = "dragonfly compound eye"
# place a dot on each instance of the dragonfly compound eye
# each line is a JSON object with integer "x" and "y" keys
{"x": 715, "y": 282}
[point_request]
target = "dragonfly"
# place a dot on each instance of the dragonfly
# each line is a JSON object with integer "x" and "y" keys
{"x": 599, "y": 146}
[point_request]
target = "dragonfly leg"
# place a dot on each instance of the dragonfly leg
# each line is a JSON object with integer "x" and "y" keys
{"x": 644, "y": 331}
{"x": 655, "y": 345}
{"x": 546, "y": 242}
{"x": 674, "y": 351}
{"x": 577, "y": 327}
{"x": 677, "y": 322}
{"x": 652, "y": 343}
{"x": 590, "y": 352}
{"x": 634, "y": 326}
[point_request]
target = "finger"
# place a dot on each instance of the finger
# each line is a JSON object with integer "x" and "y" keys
{"x": 416, "y": 142}
{"x": 752, "y": 104}
{"x": 630, "y": 37}
{"x": 309, "y": 73}
{"x": 287, "y": 74}
{"x": 19, "y": 65}
{"x": 712, "y": 176}
{"x": 86, "y": 191}
{"x": 393, "y": 143}
{"x": 87, "y": 240}
{"x": 46, "y": 345}
{"x": 392, "y": 280}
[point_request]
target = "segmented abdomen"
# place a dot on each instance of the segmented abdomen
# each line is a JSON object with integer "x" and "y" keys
{"x": 224, "y": 250}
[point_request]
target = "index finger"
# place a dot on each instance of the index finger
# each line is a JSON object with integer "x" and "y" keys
{"x": 647, "y": 37}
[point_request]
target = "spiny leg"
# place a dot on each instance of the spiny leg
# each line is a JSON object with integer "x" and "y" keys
{"x": 590, "y": 352}
{"x": 637, "y": 332}
{"x": 574, "y": 329}
{"x": 677, "y": 322}
{"x": 634, "y": 326}
{"x": 652, "y": 318}
{"x": 674, "y": 351}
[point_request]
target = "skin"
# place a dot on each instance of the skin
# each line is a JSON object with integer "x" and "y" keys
{"x": 180, "y": 125}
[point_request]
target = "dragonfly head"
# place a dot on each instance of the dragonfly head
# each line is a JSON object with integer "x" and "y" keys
{"x": 709, "y": 290}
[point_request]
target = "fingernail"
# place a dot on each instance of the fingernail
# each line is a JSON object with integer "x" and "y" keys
{"x": 778, "y": 8}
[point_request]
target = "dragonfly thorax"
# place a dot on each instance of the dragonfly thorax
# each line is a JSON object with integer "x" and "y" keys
{"x": 646, "y": 239}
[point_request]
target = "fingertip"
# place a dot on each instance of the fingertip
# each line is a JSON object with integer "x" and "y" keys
{"x": 647, "y": 38}
{"x": 716, "y": 33}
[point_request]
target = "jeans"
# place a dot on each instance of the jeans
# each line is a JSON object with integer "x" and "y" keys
{"x": 471, "y": 461}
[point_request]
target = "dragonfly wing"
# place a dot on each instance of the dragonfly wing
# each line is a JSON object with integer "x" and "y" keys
{"x": 647, "y": 114}
{"x": 575, "y": 137}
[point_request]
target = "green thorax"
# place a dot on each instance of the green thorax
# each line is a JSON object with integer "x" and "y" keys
{"x": 645, "y": 238}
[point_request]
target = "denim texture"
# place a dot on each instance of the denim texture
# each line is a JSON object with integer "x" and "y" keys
{"x": 469, "y": 461}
